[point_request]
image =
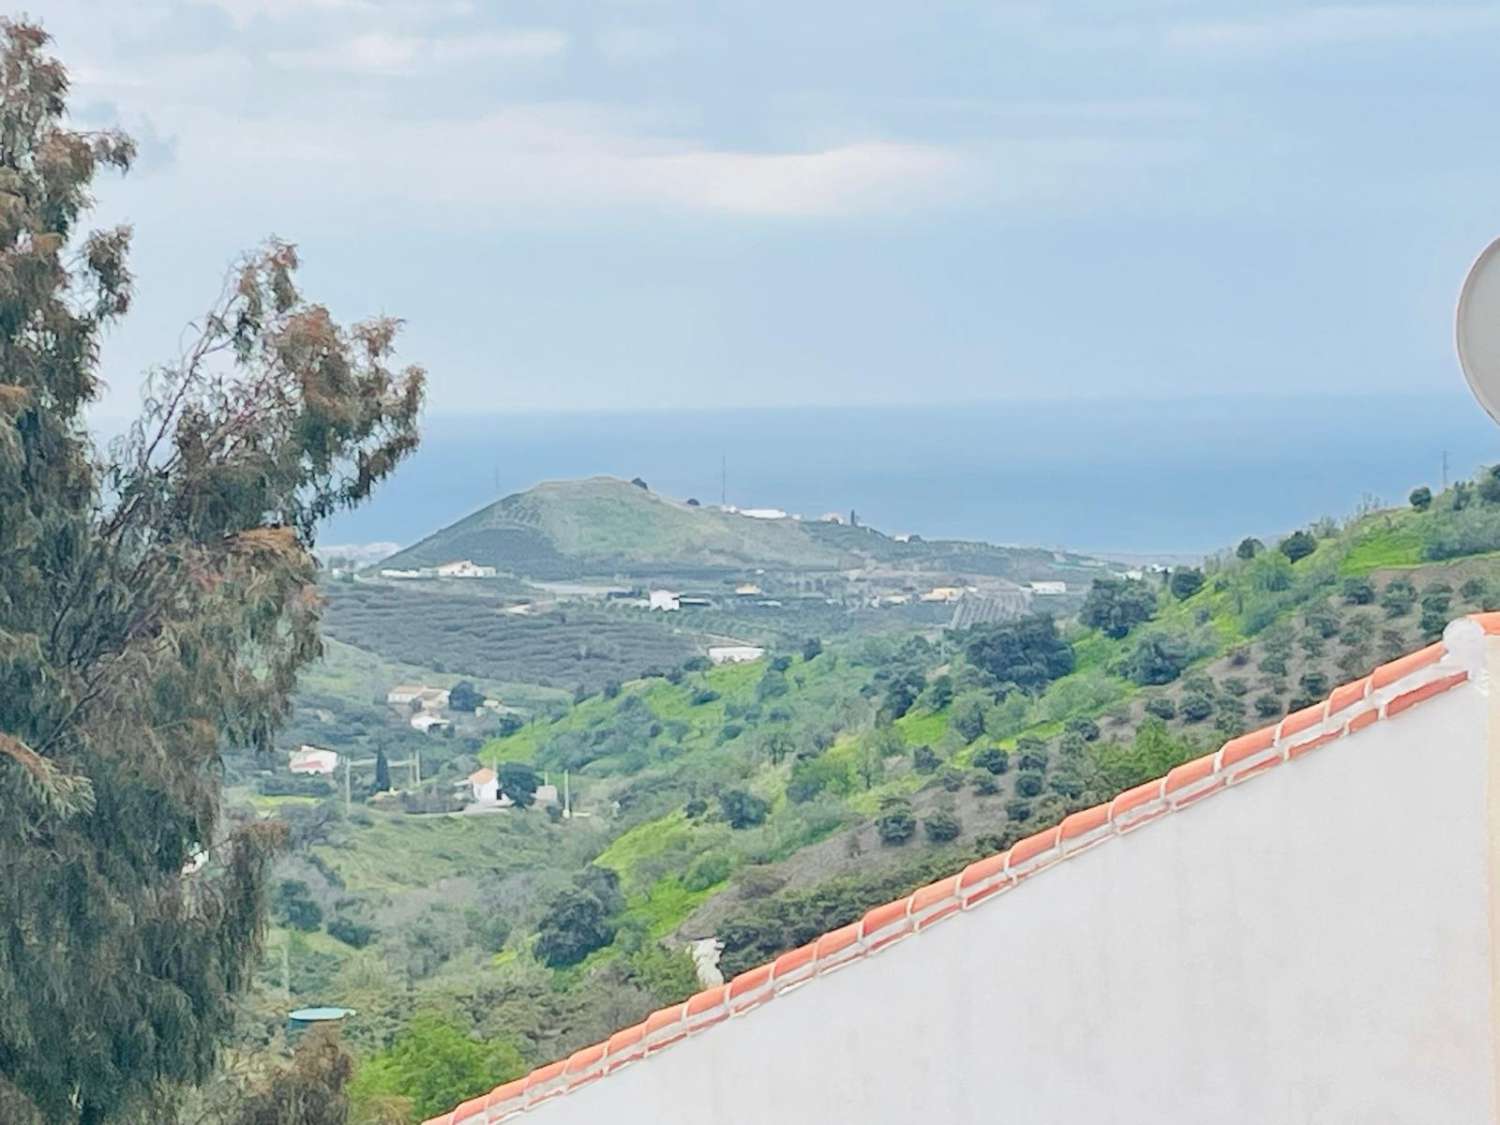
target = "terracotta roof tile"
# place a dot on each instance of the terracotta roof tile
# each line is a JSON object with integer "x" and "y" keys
{"x": 1387, "y": 692}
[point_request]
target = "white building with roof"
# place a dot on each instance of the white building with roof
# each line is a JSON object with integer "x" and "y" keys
{"x": 465, "y": 568}
{"x": 1303, "y": 925}
{"x": 313, "y": 760}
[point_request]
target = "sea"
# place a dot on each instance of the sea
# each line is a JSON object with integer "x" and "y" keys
{"x": 1124, "y": 478}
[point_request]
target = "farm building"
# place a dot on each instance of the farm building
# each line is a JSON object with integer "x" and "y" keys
{"x": 465, "y": 568}
{"x": 1048, "y": 589}
{"x": 485, "y": 785}
{"x": 734, "y": 654}
{"x": 313, "y": 760}
{"x": 427, "y": 722}
{"x": 664, "y": 600}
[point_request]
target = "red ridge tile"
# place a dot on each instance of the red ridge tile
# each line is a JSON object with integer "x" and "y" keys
{"x": 1388, "y": 674}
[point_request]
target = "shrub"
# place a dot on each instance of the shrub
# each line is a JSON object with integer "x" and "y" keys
{"x": 1185, "y": 582}
{"x": 1267, "y": 706}
{"x": 951, "y": 780}
{"x": 1398, "y": 598}
{"x": 695, "y": 808}
{"x": 896, "y": 824}
{"x": 612, "y": 689}
{"x": 1018, "y": 810}
{"x": 1033, "y": 760}
{"x": 1085, "y": 727}
{"x": 704, "y": 695}
{"x": 293, "y": 906}
{"x": 707, "y": 871}
{"x": 984, "y": 783}
{"x": 1158, "y": 658}
{"x": 574, "y": 925}
{"x": 1114, "y": 606}
{"x": 1249, "y": 547}
{"x": 1314, "y": 684}
{"x": 1474, "y": 589}
{"x": 1028, "y": 785}
{"x": 968, "y": 717}
{"x": 1196, "y": 707}
{"x": 1234, "y": 685}
{"x": 352, "y": 932}
{"x": 1239, "y": 656}
{"x": 925, "y": 759}
{"x": 1433, "y": 623}
{"x": 993, "y": 759}
{"x": 742, "y": 809}
{"x": 1274, "y": 664}
{"x": 1161, "y": 707}
{"x": 812, "y": 648}
{"x": 1298, "y": 545}
{"x": 1421, "y": 498}
{"x": 941, "y": 827}
{"x": 1358, "y": 591}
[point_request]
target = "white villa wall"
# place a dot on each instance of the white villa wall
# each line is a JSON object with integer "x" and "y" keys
{"x": 1311, "y": 946}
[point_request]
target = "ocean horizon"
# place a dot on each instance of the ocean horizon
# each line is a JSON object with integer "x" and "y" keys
{"x": 1126, "y": 477}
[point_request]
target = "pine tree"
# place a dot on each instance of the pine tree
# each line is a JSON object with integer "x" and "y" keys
{"x": 382, "y": 772}
{"x": 156, "y": 604}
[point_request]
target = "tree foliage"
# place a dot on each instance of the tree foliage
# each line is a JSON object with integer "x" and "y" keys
{"x": 431, "y": 1066}
{"x": 1115, "y": 606}
{"x": 1297, "y": 545}
{"x": 155, "y": 607}
{"x": 1029, "y": 653}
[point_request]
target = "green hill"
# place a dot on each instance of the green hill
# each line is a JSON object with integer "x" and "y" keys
{"x": 606, "y": 526}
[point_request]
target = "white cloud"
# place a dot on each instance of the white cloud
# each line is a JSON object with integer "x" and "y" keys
{"x": 386, "y": 53}
{"x": 1333, "y": 24}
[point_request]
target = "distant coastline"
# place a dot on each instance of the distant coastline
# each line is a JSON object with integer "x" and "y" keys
{"x": 1113, "y": 478}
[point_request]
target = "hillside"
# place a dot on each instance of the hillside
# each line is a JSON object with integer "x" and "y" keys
{"x": 760, "y": 804}
{"x": 606, "y": 526}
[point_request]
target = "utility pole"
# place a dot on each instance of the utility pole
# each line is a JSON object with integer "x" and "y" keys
{"x": 348, "y": 790}
{"x": 567, "y": 798}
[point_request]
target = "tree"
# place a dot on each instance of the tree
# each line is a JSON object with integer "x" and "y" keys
{"x": 156, "y": 604}
{"x": 742, "y": 809}
{"x": 1028, "y": 653}
{"x": 294, "y": 906}
{"x": 812, "y": 648}
{"x": 1249, "y": 547}
{"x": 1421, "y": 498}
{"x": 1158, "y": 658}
{"x": 1028, "y": 784}
{"x": 574, "y": 925}
{"x": 993, "y": 759}
{"x": 1196, "y": 707}
{"x": 1358, "y": 591}
{"x": 896, "y": 824}
{"x": 518, "y": 781}
{"x": 968, "y": 717}
{"x": 924, "y": 759}
{"x": 464, "y": 696}
{"x": 1185, "y": 582}
{"x": 1488, "y": 487}
{"x": 311, "y": 1091}
{"x": 434, "y": 1064}
{"x": 1161, "y": 707}
{"x": 1297, "y": 545}
{"x": 382, "y": 771}
{"x": 1115, "y": 606}
{"x": 941, "y": 826}
{"x": 639, "y": 483}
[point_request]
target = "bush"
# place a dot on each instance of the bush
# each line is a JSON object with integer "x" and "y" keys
{"x": 742, "y": 809}
{"x": 704, "y": 695}
{"x": 574, "y": 925}
{"x": 1267, "y": 706}
{"x": 968, "y": 717}
{"x": 1433, "y": 623}
{"x": 924, "y": 759}
{"x": 951, "y": 780}
{"x": 1239, "y": 656}
{"x": 1474, "y": 590}
{"x": 1249, "y": 547}
{"x": 1029, "y": 785}
{"x": 1085, "y": 727}
{"x": 293, "y": 906}
{"x": 612, "y": 689}
{"x": 812, "y": 648}
{"x": 350, "y": 931}
{"x": 1033, "y": 759}
{"x": 1488, "y": 487}
{"x": 1398, "y": 598}
{"x": 1358, "y": 591}
{"x": 984, "y": 784}
{"x": 1196, "y": 707}
{"x": 1273, "y": 664}
{"x": 1158, "y": 658}
{"x": 1114, "y": 606}
{"x": 1185, "y": 582}
{"x": 941, "y": 827}
{"x": 1235, "y": 686}
{"x": 1161, "y": 707}
{"x": 1421, "y": 498}
{"x": 1314, "y": 684}
{"x": 993, "y": 759}
{"x": 707, "y": 871}
{"x": 1298, "y": 545}
{"x": 896, "y": 825}
{"x": 1018, "y": 810}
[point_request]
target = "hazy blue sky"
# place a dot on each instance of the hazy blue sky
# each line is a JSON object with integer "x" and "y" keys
{"x": 664, "y": 203}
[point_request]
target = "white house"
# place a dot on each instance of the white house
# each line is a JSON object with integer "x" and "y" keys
{"x": 1303, "y": 925}
{"x": 734, "y": 654}
{"x": 404, "y": 695}
{"x": 427, "y": 722}
{"x": 313, "y": 760}
{"x": 392, "y": 572}
{"x": 464, "y": 568}
{"x": 748, "y": 590}
{"x": 433, "y": 698}
{"x": 663, "y": 600}
{"x": 763, "y": 513}
{"x": 943, "y": 594}
{"x": 485, "y": 785}
{"x": 1048, "y": 589}
{"x": 830, "y": 517}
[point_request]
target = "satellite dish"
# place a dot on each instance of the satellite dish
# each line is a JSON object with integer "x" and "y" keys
{"x": 1477, "y": 330}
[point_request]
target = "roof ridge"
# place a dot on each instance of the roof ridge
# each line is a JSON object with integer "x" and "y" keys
{"x": 1385, "y": 692}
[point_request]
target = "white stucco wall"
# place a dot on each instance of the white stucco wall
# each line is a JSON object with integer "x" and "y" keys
{"x": 1310, "y": 946}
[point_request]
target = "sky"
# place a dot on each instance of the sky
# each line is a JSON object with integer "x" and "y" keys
{"x": 650, "y": 204}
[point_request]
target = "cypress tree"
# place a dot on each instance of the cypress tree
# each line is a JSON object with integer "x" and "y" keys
{"x": 156, "y": 603}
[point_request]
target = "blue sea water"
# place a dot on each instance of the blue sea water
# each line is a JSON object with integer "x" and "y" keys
{"x": 1140, "y": 477}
